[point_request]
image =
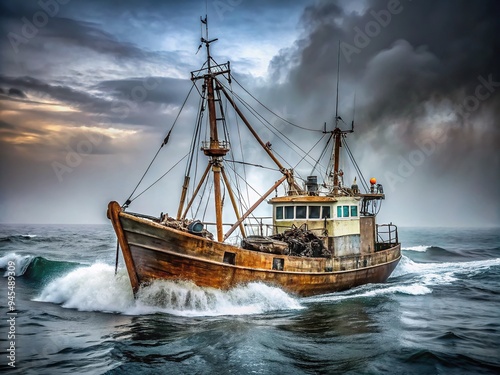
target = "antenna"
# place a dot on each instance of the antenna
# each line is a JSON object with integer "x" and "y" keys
{"x": 338, "y": 78}
{"x": 353, "y": 109}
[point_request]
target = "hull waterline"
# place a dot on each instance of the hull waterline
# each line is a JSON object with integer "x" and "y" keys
{"x": 155, "y": 252}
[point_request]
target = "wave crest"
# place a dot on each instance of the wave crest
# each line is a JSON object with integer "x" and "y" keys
{"x": 96, "y": 288}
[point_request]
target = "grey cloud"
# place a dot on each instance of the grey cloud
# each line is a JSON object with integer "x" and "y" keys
{"x": 16, "y": 92}
{"x": 162, "y": 90}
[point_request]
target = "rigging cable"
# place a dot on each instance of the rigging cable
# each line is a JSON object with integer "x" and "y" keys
{"x": 241, "y": 149}
{"x": 325, "y": 149}
{"x": 281, "y": 118}
{"x": 319, "y": 140}
{"x": 356, "y": 166}
{"x": 165, "y": 141}
{"x": 154, "y": 183}
{"x": 271, "y": 128}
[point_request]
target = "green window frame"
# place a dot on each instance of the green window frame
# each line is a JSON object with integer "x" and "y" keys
{"x": 354, "y": 211}
{"x": 339, "y": 211}
{"x": 345, "y": 211}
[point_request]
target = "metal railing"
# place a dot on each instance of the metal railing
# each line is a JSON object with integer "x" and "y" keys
{"x": 387, "y": 236}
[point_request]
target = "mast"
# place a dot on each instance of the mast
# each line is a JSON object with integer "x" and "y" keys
{"x": 214, "y": 150}
{"x": 337, "y": 133}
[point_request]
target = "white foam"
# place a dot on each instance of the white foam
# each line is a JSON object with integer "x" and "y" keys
{"x": 373, "y": 290}
{"x": 92, "y": 288}
{"x": 432, "y": 274}
{"x": 407, "y": 266}
{"x": 95, "y": 288}
{"x": 420, "y": 248}
{"x": 423, "y": 277}
{"x": 21, "y": 262}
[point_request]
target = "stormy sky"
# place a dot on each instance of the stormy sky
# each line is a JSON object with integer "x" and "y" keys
{"x": 88, "y": 90}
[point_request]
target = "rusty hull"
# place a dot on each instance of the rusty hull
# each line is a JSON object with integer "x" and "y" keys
{"x": 153, "y": 251}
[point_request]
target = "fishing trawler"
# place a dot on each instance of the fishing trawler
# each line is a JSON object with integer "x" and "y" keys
{"x": 322, "y": 236}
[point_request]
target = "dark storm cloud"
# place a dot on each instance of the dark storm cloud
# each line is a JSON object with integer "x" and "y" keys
{"x": 134, "y": 101}
{"x": 58, "y": 92}
{"x": 419, "y": 68}
{"x": 424, "y": 50}
{"x": 115, "y": 67}
{"x": 16, "y": 92}
{"x": 6, "y": 125}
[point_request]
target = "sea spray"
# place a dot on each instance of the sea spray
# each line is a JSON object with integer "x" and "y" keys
{"x": 372, "y": 291}
{"x": 185, "y": 298}
{"x": 92, "y": 288}
{"x": 96, "y": 288}
{"x": 412, "y": 278}
{"x": 420, "y": 248}
{"x": 21, "y": 262}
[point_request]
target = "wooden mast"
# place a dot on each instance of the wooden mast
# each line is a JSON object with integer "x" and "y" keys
{"x": 214, "y": 151}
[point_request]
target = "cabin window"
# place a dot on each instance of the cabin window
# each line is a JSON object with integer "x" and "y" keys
{"x": 229, "y": 258}
{"x": 289, "y": 212}
{"x": 314, "y": 212}
{"x": 300, "y": 212}
{"x": 326, "y": 212}
{"x": 347, "y": 211}
{"x": 278, "y": 264}
{"x": 279, "y": 212}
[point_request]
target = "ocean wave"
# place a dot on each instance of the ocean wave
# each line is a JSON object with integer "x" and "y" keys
{"x": 416, "y": 279}
{"x": 372, "y": 290}
{"x": 36, "y": 268}
{"x": 21, "y": 262}
{"x": 420, "y": 248}
{"x": 433, "y": 251}
{"x": 21, "y": 238}
{"x": 96, "y": 288}
{"x": 444, "y": 272}
{"x": 17, "y": 237}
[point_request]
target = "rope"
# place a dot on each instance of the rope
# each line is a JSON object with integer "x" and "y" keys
{"x": 363, "y": 181}
{"x": 154, "y": 183}
{"x": 271, "y": 128}
{"x": 281, "y": 118}
{"x": 165, "y": 141}
{"x": 116, "y": 260}
{"x": 253, "y": 165}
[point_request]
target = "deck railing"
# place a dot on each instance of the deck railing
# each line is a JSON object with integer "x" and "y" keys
{"x": 387, "y": 236}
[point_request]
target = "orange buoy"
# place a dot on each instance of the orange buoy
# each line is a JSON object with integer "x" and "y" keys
{"x": 373, "y": 180}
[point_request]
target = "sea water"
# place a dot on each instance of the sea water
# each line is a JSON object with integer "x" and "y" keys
{"x": 439, "y": 313}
